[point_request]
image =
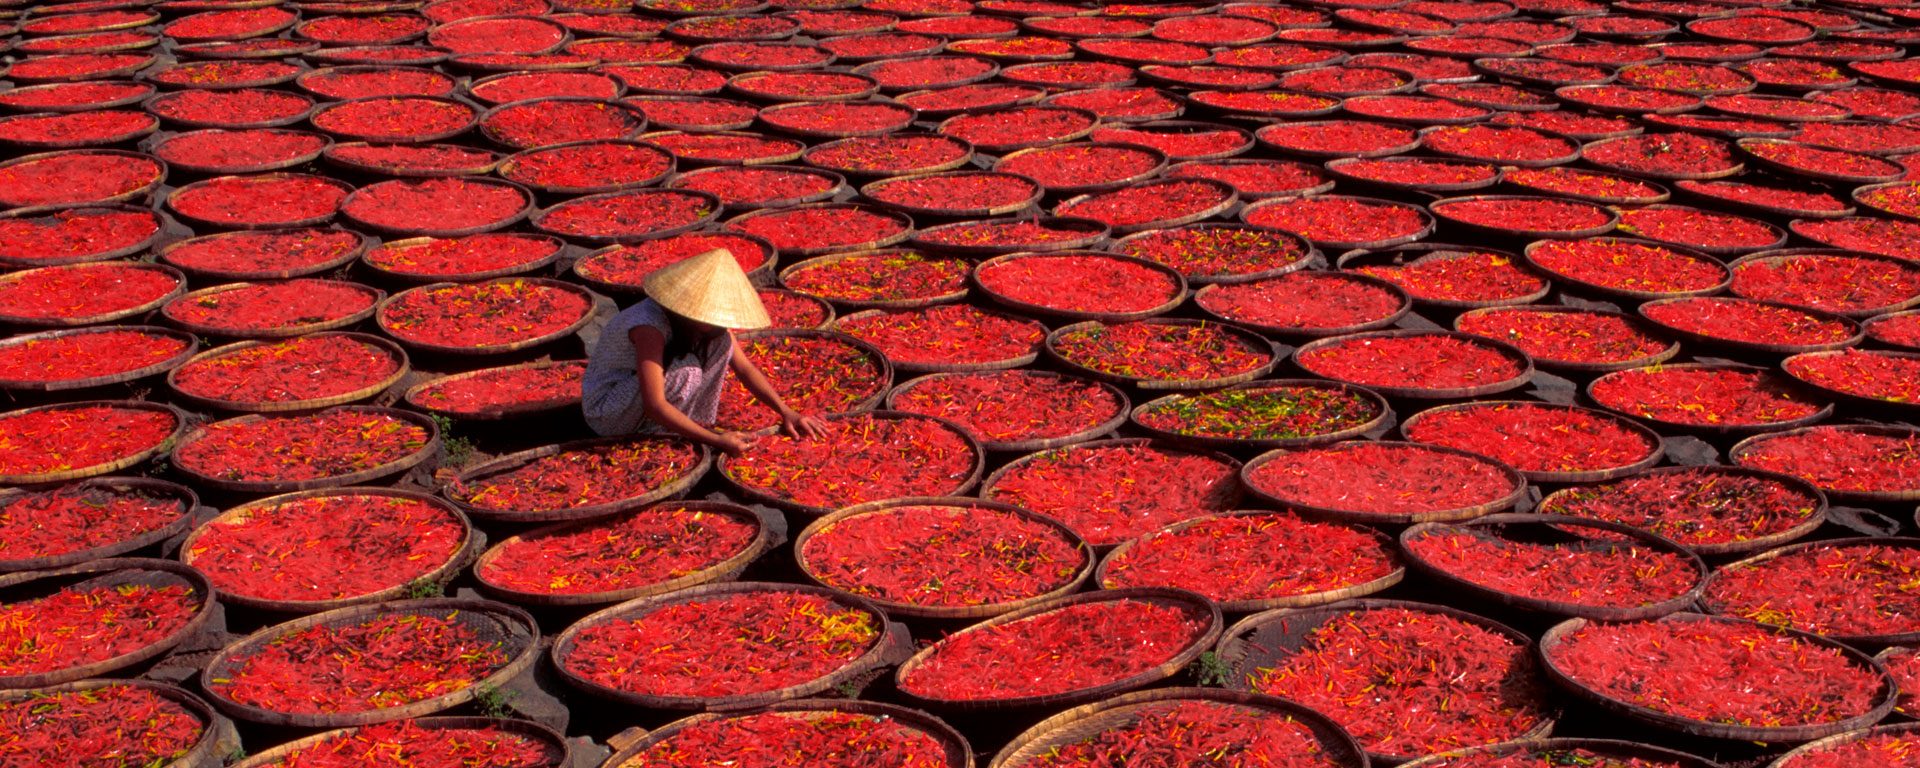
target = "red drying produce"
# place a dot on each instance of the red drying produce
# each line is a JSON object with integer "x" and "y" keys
{"x": 1000, "y": 407}
{"x": 1698, "y": 229}
{"x": 328, "y": 444}
{"x": 86, "y": 355}
{"x": 889, "y": 155}
{"x": 942, "y": 556}
{"x": 803, "y": 231}
{"x": 95, "y": 128}
{"x": 1536, "y": 437}
{"x": 544, "y": 123}
{"x": 1061, "y": 650}
{"x": 1887, "y": 237}
{"x": 521, "y": 86}
{"x": 1707, "y": 508}
{"x": 1304, "y": 302}
{"x": 1335, "y": 220}
{"x": 1432, "y": 361}
{"x": 1192, "y": 733}
{"x": 834, "y": 118}
{"x": 1500, "y": 144}
{"x": 306, "y": 368}
{"x": 1581, "y": 570}
{"x": 1015, "y": 235}
{"x": 373, "y": 662}
{"x": 490, "y": 390}
{"x": 73, "y": 96}
{"x": 74, "y": 235}
{"x": 814, "y": 374}
{"x": 638, "y": 549}
{"x": 64, "y": 294}
{"x": 1894, "y": 750}
{"x": 721, "y": 645}
{"x": 222, "y": 150}
{"x": 436, "y": 206}
{"x": 78, "y": 437}
{"x": 1573, "y": 182}
{"x": 81, "y": 517}
{"x": 1644, "y": 269}
{"x": 1369, "y": 480}
{"x": 253, "y": 308}
{"x": 322, "y": 548}
{"x": 436, "y": 257}
{"x": 1842, "y": 459}
{"x": 1179, "y": 143}
{"x": 858, "y": 459}
{"x": 1750, "y": 322}
{"x": 402, "y": 119}
{"x": 480, "y": 316}
{"x": 410, "y": 743}
{"x": 1526, "y": 756}
{"x": 627, "y": 266}
{"x": 1835, "y": 282}
{"x": 1410, "y": 682}
{"x": 1566, "y": 336}
{"x": 946, "y": 335}
{"x": 1253, "y": 557}
{"x": 1261, "y": 411}
{"x": 961, "y": 98}
{"x": 1704, "y": 396}
{"x": 267, "y": 254}
{"x": 88, "y": 623}
{"x": 1903, "y": 663}
{"x": 1718, "y": 671}
{"x": 1121, "y": 103}
{"x": 580, "y": 476}
{"x": 1080, "y": 282}
{"x": 375, "y": 83}
{"x": 1854, "y": 588}
{"x": 414, "y": 159}
{"x": 802, "y": 86}
{"x": 1899, "y": 329}
{"x": 751, "y": 186}
{"x": 115, "y": 725}
{"x": 1823, "y": 162}
{"x": 1148, "y": 203}
{"x": 1420, "y": 172}
{"x": 1216, "y": 252}
{"x": 1078, "y": 166}
{"x": 1347, "y": 138}
{"x": 1546, "y": 217}
{"x": 957, "y": 192}
{"x": 776, "y": 739}
{"x": 282, "y": 199}
{"x": 1460, "y": 276}
{"x": 248, "y": 107}
{"x": 1255, "y": 179}
{"x": 879, "y": 276}
{"x": 1113, "y": 491}
{"x": 1161, "y": 351}
{"x": 792, "y": 311}
{"x": 1869, "y": 375}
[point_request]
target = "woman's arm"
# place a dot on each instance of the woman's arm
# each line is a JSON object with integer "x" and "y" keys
{"x": 649, "y": 352}
{"x": 756, "y": 382}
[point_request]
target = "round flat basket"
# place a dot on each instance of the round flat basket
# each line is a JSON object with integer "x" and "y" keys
{"x": 956, "y": 753}
{"x": 1792, "y": 759}
{"x": 1085, "y": 723}
{"x": 1883, "y": 700}
{"x": 345, "y": 256}
{"x": 376, "y": 296}
{"x": 967, "y": 612}
{"x": 1714, "y": 607}
{"x": 765, "y": 538}
{"x": 1197, "y": 645}
{"x": 1817, "y": 518}
{"x": 204, "y": 751}
{"x": 179, "y": 286}
{"x": 109, "y": 573}
{"x": 513, "y": 461}
{"x": 887, "y": 648}
{"x": 277, "y": 406}
{"x": 555, "y": 743}
{"x": 192, "y": 346}
{"x": 146, "y": 486}
{"x": 130, "y": 460}
{"x": 1113, "y": 422}
{"x": 199, "y": 476}
{"x": 1383, "y": 413}
{"x": 1557, "y": 530}
{"x": 51, "y": 212}
{"x": 1256, "y": 605}
{"x": 441, "y": 573}
{"x": 959, "y": 487}
{"x": 1251, "y": 339}
{"x": 1741, "y": 448}
{"x": 492, "y": 349}
{"x": 1550, "y": 749}
{"x": 1509, "y": 351}
{"x": 1517, "y": 483}
{"x": 1646, "y": 435}
{"x": 416, "y": 396}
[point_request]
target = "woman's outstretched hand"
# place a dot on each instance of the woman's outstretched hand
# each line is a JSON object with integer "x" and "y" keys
{"x": 796, "y": 425}
{"x": 733, "y": 443}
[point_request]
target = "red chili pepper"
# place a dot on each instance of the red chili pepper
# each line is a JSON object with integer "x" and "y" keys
{"x": 1066, "y": 649}
{"x": 858, "y": 459}
{"x": 1253, "y": 557}
{"x": 379, "y": 662}
{"x": 776, "y": 739}
{"x": 485, "y": 314}
{"x": 1304, "y": 300}
{"x": 113, "y": 726}
{"x": 648, "y": 546}
{"x": 77, "y": 437}
{"x": 86, "y": 355}
{"x": 81, "y": 625}
{"x": 942, "y": 556}
{"x": 1536, "y": 437}
{"x": 1110, "y": 493}
{"x": 1193, "y": 732}
{"x": 581, "y": 477}
{"x": 1380, "y": 479}
{"x": 812, "y": 374}
{"x": 407, "y": 743}
{"x": 1703, "y": 396}
{"x": 327, "y": 547}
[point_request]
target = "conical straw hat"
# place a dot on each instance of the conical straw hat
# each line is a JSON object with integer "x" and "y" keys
{"x": 710, "y": 288}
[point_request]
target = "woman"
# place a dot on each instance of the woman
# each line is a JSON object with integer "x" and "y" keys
{"x": 661, "y": 364}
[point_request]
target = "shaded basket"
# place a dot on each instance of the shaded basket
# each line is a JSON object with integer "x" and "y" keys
{"x": 1383, "y": 413}
{"x": 45, "y": 211}
{"x": 1517, "y": 481}
{"x": 189, "y": 501}
{"x": 1607, "y": 748}
{"x": 835, "y": 183}
{"x": 283, "y": 332}
{"x": 1107, "y": 427}
{"x": 1555, "y": 528}
{"x": 965, "y": 158}
{"x": 1890, "y": 405}
{"x": 1229, "y": 199}
{"x": 1415, "y": 253}
{"x": 473, "y": 118}
{"x": 1586, "y": 476}
{"x": 671, "y": 489}
{"x": 277, "y": 122}
{"x": 471, "y": 540}
{"x": 136, "y": 195}
{"x": 414, "y": 396}
{"x": 1337, "y": 748}
{"x": 1624, "y": 293}
{"x": 1234, "y": 495}
{"x": 1268, "y": 640}
{"x": 180, "y": 286}
{"x": 956, "y": 752}
{"x": 1027, "y": 308}
{"x": 1791, "y": 759}
{"x": 1253, "y": 340}
{"x": 491, "y": 349}
{"x": 402, "y": 366}
{"x": 173, "y": 199}
{"x": 1784, "y": 256}
{"x": 1765, "y": 348}
{"x": 273, "y": 165}
{"x": 526, "y": 208}
{"x": 1405, "y": 306}
{"x": 1093, "y": 235}
{"x": 131, "y": 460}
{"x": 1818, "y": 415}
{"x": 892, "y": 645}
{"x": 556, "y": 246}
{"x": 636, "y": 121}
{"x": 1165, "y": 670}
{"x": 512, "y": 628}
{"x": 1739, "y": 449}
{"x": 1520, "y": 230}
{"x": 904, "y": 366}
{"x": 838, "y": 303}
{"x": 1427, "y": 224}
{"x": 905, "y": 224}
{"x": 1159, "y": 165}
{"x": 344, "y": 258}
{"x": 1572, "y": 366}
{"x": 867, "y": 191}
{"x": 277, "y": 756}
{"x": 1714, "y": 607}
{"x": 111, "y": 572}
{"x": 62, "y": 385}
{"x": 967, "y": 612}
{"x": 1509, "y": 351}
{"x": 1749, "y": 147}
{"x": 756, "y": 495}
{"x": 767, "y": 535}
{"x": 1757, "y": 543}
{"x": 1265, "y": 603}
{"x": 395, "y": 467}
{"x": 333, "y": 157}
{"x": 216, "y": 734}
{"x": 1883, "y": 700}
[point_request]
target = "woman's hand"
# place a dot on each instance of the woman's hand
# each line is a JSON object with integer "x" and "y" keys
{"x": 733, "y": 443}
{"x": 796, "y": 425}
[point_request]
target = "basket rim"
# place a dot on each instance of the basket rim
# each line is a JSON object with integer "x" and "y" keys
{"x": 362, "y": 242}
{"x": 91, "y": 570}
{"x": 1584, "y": 476}
{"x": 59, "y": 385}
{"x": 1178, "y": 296}
{"x": 381, "y": 310}
{"x": 182, "y": 522}
{"x": 402, "y": 365}
{"x": 1648, "y": 539}
{"x": 396, "y": 466}
{"x": 179, "y": 287}
{"x": 414, "y": 393}
{"x": 343, "y": 321}
{"x": 970, "y": 482}
{"x": 1255, "y": 605}
{"x": 1327, "y": 732}
{"x": 1254, "y": 340}
{"x": 517, "y": 459}
{"x": 763, "y": 541}
{"x": 212, "y": 724}
{"x": 1518, "y": 480}
{"x": 1383, "y": 412}
{"x": 180, "y": 419}
{"x": 1112, "y": 423}
{"x": 1506, "y": 350}
{"x": 1711, "y": 607}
